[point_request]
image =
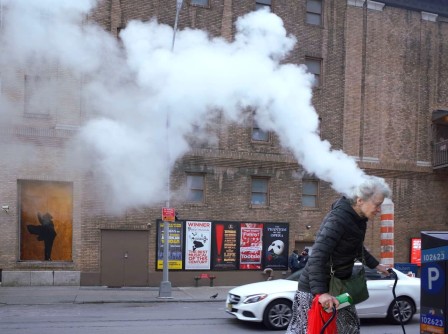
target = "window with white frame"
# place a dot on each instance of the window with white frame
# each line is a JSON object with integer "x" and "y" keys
{"x": 314, "y": 66}
{"x": 310, "y": 193}
{"x": 314, "y": 12}
{"x": 195, "y": 188}
{"x": 260, "y": 191}
{"x": 263, "y": 4}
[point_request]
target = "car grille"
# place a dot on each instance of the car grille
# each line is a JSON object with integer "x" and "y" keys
{"x": 234, "y": 299}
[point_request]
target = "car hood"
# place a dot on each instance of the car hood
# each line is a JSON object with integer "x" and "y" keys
{"x": 268, "y": 287}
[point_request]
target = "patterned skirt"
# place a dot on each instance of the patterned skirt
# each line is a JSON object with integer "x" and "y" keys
{"x": 347, "y": 320}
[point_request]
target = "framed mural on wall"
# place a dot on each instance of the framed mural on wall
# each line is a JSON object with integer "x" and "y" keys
{"x": 45, "y": 220}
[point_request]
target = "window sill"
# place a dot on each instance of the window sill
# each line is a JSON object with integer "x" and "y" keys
{"x": 258, "y": 206}
{"x": 260, "y": 142}
{"x": 194, "y": 204}
{"x": 309, "y": 208}
{"x": 315, "y": 25}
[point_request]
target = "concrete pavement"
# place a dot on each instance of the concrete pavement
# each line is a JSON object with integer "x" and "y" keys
{"x": 35, "y": 295}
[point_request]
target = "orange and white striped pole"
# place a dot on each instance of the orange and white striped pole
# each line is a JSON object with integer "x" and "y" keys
{"x": 387, "y": 233}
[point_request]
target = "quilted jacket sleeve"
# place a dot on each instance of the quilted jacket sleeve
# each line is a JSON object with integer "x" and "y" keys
{"x": 371, "y": 262}
{"x": 329, "y": 235}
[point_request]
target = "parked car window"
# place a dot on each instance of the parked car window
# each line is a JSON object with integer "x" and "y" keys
{"x": 372, "y": 274}
{"x": 295, "y": 276}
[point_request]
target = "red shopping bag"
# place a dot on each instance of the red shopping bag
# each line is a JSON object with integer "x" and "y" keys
{"x": 318, "y": 317}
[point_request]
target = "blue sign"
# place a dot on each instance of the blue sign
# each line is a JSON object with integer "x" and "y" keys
{"x": 432, "y": 278}
{"x": 435, "y": 254}
{"x": 432, "y": 320}
{"x": 406, "y": 267}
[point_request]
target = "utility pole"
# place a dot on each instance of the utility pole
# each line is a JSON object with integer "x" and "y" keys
{"x": 165, "y": 285}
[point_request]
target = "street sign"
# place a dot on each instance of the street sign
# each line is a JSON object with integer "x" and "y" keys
{"x": 168, "y": 215}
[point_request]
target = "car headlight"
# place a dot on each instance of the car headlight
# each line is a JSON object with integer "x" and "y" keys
{"x": 255, "y": 298}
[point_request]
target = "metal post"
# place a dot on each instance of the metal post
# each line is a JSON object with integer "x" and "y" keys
{"x": 1, "y": 14}
{"x": 165, "y": 285}
{"x": 178, "y": 8}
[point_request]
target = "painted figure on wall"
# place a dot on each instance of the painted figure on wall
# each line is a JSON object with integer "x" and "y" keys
{"x": 45, "y": 232}
{"x": 45, "y": 220}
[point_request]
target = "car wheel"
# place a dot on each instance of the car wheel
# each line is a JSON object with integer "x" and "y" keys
{"x": 278, "y": 314}
{"x": 405, "y": 306}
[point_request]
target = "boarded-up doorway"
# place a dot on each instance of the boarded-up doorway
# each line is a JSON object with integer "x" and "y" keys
{"x": 124, "y": 258}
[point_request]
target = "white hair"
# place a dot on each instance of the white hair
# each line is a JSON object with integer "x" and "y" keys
{"x": 370, "y": 186}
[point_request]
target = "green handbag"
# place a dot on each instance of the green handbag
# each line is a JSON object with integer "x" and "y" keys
{"x": 355, "y": 286}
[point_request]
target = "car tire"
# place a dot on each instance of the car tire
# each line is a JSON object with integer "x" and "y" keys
{"x": 278, "y": 314}
{"x": 407, "y": 310}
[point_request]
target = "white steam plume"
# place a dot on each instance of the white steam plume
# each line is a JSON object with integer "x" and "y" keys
{"x": 138, "y": 85}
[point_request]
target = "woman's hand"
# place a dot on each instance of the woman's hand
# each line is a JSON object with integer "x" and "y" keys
{"x": 327, "y": 301}
{"x": 382, "y": 269}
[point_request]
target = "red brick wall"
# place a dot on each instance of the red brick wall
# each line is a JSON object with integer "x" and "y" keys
{"x": 383, "y": 74}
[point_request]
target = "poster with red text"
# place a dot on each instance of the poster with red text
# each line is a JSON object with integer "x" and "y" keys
{"x": 197, "y": 251}
{"x": 416, "y": 251}
{"x": 251, "y": 245}
{"x": 225, "y": 245}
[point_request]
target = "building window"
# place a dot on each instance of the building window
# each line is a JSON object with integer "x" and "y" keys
{"x": 195, "y": 188}
{"x": 37, "y": 90}
{"x": 314, "y": 66}
{"x": 263, "y": 4}
{"x": 258, "y": 134}
{"x": 202, "y": 3}
{"x": 314, "y": 12}
{"x": 119, "y": 29}
{"x": 260, "y": 191}
{"x": 310, "y": 193}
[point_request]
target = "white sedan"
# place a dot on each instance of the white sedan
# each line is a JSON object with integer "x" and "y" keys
{"x": 270, "y": 302}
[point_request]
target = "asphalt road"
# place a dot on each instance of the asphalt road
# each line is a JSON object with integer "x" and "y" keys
{"x": 147, "y": 318}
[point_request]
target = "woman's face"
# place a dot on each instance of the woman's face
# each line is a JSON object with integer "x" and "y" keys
{"x": 370, "y": 207}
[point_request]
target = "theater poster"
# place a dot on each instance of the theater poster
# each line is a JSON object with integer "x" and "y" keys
{"x": 416, "y": 251}
{"x": 225, "y": 246}
{"x": 198, "y": 245}
{"x": 175, "y": 242}
{"x": 275, "y": 246}
{"x": 46, "y": 220}
{"x": 251, "y": 245}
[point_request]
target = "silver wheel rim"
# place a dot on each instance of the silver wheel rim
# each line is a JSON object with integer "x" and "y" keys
{"x": 280, "y": 315}
{"x": 406, "y": 311}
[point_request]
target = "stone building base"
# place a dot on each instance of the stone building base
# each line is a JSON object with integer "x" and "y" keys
{"x": 35, "y": 278}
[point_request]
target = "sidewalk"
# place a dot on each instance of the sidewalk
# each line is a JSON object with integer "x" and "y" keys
{"x": 35, "y": 295}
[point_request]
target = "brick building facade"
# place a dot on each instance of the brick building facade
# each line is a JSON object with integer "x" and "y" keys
{"x": 383, "y": 84}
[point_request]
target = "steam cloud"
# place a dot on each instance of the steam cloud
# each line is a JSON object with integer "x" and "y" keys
{"x": 136, "y": 87}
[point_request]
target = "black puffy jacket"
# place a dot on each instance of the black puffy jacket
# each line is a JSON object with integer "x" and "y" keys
{"x": 340, "y": 239}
